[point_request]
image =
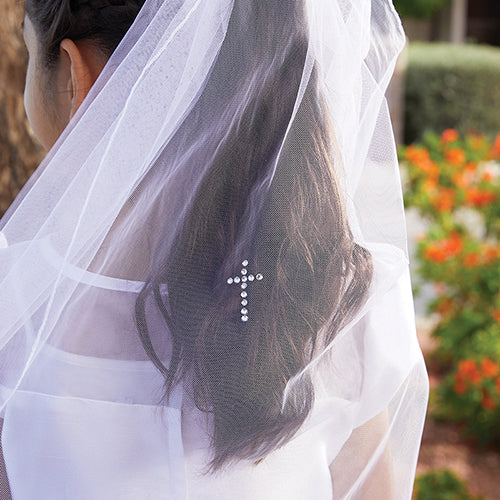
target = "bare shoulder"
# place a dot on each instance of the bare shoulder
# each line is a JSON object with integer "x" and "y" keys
{"x": 365, "y": 460}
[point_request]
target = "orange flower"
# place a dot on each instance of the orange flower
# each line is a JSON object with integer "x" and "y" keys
{"x": 463, "y": 179}
{"x": 478, "y": 198}
{"x": 475, "y": 377}
{"x": 487, "y": 176}
{"x": 471, "y": 166}
{"x": 471, "y": 260}
{"x": 456, "y": 156}
{"x": 490, "y": 253}
{"x": 449, "y": 135}
{"x": 460, "y": 387}
{"x": 489, "y": 368}
{"x": 454, "y": 244}
{"x": 497, "y": 384}
{"x": 441, "y": 251}
{"x": 468, "y": 369}
{"x": 488, "y": 403}
{"x": 496, "y": 315}
{"x": 431, "y": 168}
{"x": 443, "y": 201}
{"x": 435, "y": 253}
{"x": 495, "y": 149}
{"x": 466, "y": 366}
{"x": 416, "y": 154}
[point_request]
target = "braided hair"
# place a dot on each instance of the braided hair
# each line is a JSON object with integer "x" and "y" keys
{"x": 105, "y": 22}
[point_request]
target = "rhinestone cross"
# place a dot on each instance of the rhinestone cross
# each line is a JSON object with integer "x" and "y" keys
{"x": 243, "y": 280}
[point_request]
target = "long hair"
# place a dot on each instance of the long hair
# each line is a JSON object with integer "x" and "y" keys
{"x": 314, "y": 273}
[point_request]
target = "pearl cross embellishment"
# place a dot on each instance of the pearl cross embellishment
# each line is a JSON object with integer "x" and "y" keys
{"x": 243, "y": 282}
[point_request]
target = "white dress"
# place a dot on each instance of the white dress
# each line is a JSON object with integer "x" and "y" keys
{"x": 117, "y": 442}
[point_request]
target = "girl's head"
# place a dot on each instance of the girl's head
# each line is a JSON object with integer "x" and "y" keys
{"x": 69, "y": 42}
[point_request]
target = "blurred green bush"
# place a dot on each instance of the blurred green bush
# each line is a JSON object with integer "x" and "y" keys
{"x": 452, "y": 86}
{"x": 441, "y": 485}
{"x": 419, "y": 8}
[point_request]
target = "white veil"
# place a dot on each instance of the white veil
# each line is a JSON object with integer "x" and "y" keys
{"x": 101, "y": 274}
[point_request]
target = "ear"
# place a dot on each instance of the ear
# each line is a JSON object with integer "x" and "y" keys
{"x": 84, "y": 65}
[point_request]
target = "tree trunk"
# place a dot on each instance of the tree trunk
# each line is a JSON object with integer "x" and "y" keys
{"x": 19, "y": 152}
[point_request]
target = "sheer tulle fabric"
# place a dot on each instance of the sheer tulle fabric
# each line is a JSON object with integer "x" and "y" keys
{"x": 82, "y": 402}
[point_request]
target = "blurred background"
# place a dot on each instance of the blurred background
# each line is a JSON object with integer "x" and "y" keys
{"x": 445, "y": 106}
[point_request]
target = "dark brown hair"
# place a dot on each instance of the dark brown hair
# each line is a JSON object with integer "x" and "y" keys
{"x": 103, "y": 21}
{"x": 316, "y": 276}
